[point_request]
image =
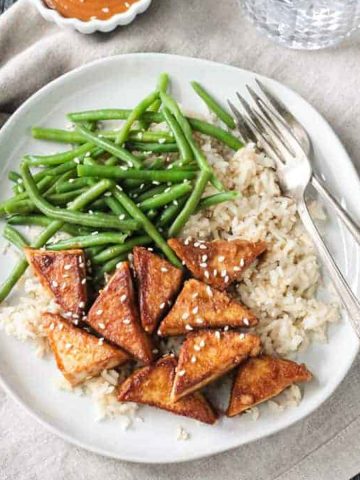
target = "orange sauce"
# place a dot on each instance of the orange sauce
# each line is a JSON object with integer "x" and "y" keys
{"x": 90, "y": 9}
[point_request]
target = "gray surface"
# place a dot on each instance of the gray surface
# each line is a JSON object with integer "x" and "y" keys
{"x": 326, "y": 445}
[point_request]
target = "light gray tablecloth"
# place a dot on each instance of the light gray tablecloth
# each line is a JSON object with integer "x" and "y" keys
{"x": 326, "y": 445}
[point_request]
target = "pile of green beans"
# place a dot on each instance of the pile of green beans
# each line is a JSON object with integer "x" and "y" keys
{"x": 116, "y": 188}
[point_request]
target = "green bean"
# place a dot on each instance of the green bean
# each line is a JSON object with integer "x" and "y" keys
{"x": 89, "y": 241}
{"x": 108, "y": 146}
{"x": 42, "y": 221}
{"x": 171, "y": 195}
{"x": 92, "y": 251}
{"x": 56, "y": 171}
{"x": 197, "y": 124}
{"x": 170, "y": 212}
{"x": 135, "y": 115}
{"x": 150, "y": 193}
{"x": 149, "y": 228}
{"x": 14, "y": 177}
{"x": 59, "y": 158}
{"x": 216, "y": 132}
{"x": 57, "y": 181}
{"x": 73, "y": 184}
{"x": 21, "y": 266}
{"x": 217, "y": 198}
{"x": 152, "y": 147}
{"x": 120, "y": 173}
{"x": 213, "y": 105}
{"x": 102, "y": 221}
{"x": 140, "y": 136}
{"x": 64, "y": 197}
{"x": 57, "y": 135}
{"x": 13, "y": 236}
{"x": 156, "y": 164}
{"x": 109, "y": 266}
{"x": 42, "y": 185}
{"x": 185, "y": 150}
{"x": 116, "y": 250}
{"x": 191, "y": 203}
{"x": 116, "y": 207}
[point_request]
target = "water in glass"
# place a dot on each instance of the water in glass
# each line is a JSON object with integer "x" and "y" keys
{"x": 305, "y": 24}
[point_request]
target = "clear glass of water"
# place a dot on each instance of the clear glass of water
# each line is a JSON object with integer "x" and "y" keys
{"x": 305, "y": 24}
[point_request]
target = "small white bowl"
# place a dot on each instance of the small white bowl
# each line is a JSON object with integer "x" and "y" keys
{"x": 92, "y": 25}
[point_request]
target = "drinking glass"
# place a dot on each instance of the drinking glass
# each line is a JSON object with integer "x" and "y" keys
{"x": 305, "y": 24}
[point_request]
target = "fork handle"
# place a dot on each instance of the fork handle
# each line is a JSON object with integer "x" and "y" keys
{"x": 345, "y": 293}
{"x": 349, "y": 223}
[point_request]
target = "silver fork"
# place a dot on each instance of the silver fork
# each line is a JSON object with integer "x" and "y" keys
{"x": 294, "y": 170}
{"x": 301, "y": 135}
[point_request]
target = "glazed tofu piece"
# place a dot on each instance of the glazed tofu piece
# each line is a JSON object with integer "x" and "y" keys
{"x": 218, "y": 263}
{"x": 158, "y": 284}
{"x": 262, "y": 378}
{"x": 201, "y": 306}
{"x": 152, "y": 386}
{"x": 63, "y": 274}
{"x": 115, "y": 316}
{"x": 206, "y": 355}
{"x": 78, "y": 354}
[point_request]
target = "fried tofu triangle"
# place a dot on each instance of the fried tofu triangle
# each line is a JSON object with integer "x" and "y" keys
{"x": 78, "y": 354}
{"x": 262, "y": 378}
{"x": 114, "y": 315}
{"x": 63, "y": 274}
{"x": 209, "y": 354}
{"x": 152, "y": 386}
{"x": 158, "y": 284}
{"x": 217, "y": 263}
{"x": 201, "y": 306}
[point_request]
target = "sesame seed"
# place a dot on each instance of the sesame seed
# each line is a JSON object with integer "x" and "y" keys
{"x": 68, "y": 346}
{"x": 162, "y": 305}
{"x": 203, "y": 247}
{"x": 99, "y": 312}
{"x": 119, "y": 188}
{"x": 155, "y": 351}
{"x": 195, "y": 310}
{"x": 184, "y": 316}
{"x": 77, "y": 160}
{"x": 202, "y": 343}
{"x": 221, "y": 258}
{"x": 246, "y": 321}
{"x": 226, "y": 328}
{"x": 218, "y": 335}
{"x": 105, "y": 10}
{"x": 124, "y": 167}
{"x": 126, "y": 321}
{"x": 193, "y": 359}
{"x": 123, "y": 298}
{"x": 164, "y": 269}
{"x": 209, "y": 291}
{"x": 54, "y": 284}
{"x": 155, "y": 182}
{"x": 52, "y": 326}
{"x": 204, "y": 258}
{"x": 91, "y": 212}
{"x": 95, "y": 233}
{"x": 150, "y": 249}
{"x": 242, "y": 262}
{"x": 242, "y": 336}
{"x": 101, "y": 325}
{"x": 196, "y": 244}
{"x": 127, "y": 4}
{"x": 188, "y": 328}
{"x": 181, "y": 373}
{"x": 195, "y": 295}
{"x": 197, "y": 348}
{"x": 215, "y": 272}
{"x": 226, "y": 279}
{"x": 187, "y": 241}
{"x": 199, "y": 320}
{"x": 83, "y": 281}
{"x": 203, "y": 265}
{"x": 236, "y": 269}
{"x": 101, "y": 341}
{"x": 81, "y": 304}
{"x": 206, "y": 274}
{"x": 67, "y": 267}
{"x": 61, "y": 326}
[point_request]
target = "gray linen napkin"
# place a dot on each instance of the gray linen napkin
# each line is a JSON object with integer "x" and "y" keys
{"x": 325, "y": 445}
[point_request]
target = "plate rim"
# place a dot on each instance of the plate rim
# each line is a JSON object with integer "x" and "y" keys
{"x": 23, "y": 108}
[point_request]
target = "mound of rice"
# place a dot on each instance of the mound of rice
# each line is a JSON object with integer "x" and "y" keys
{"x": 280, "y": 288}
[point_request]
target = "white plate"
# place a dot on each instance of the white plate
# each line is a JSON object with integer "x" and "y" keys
{"x": 121, "y": 82}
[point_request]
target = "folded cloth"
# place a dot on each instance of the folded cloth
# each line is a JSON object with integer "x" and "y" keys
{"x": 324, "y": 446}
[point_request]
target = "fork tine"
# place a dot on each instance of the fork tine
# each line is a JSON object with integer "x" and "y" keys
{"x": 266, "y": 114}
{"x": 245, "y": 132}
{"x": 277, "y": 104}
